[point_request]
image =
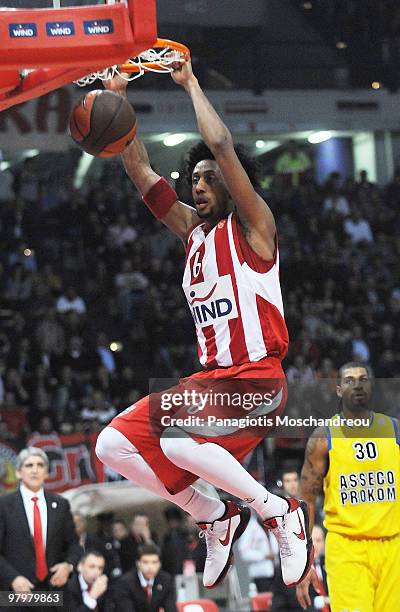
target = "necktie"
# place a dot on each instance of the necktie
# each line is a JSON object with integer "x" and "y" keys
{"x": 148, "y": 591}
{"x": 41, "y": 563}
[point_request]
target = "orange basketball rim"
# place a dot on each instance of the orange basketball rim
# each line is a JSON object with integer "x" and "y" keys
{"x": 43, "y": 49}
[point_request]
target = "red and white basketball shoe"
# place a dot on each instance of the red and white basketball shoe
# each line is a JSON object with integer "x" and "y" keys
{"x": 220, "y": 537}
{"x": 296, "y": 549}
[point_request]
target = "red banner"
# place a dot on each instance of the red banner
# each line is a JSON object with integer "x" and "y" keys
{"x": 73, "y": 461}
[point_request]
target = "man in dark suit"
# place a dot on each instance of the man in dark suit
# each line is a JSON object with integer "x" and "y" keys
{"x": 139, "y": 534}
{"x": 87, "y": 588}
{"x": 146, "y": 588}
{"x": 87, "y": 540}
{"x": 38, "y": 543}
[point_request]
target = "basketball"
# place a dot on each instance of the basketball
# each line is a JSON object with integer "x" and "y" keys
{"x": 103, "y": 123}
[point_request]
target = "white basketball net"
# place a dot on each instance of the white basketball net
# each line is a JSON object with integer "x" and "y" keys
{"x": 163, "y": 58}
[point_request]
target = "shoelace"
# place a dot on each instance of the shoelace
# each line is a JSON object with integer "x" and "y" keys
{"x": 284, "y": 546}
{"x": 210, "y": 537}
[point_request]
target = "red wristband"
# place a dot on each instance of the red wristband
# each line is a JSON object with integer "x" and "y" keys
{"x": 160, "y": 198}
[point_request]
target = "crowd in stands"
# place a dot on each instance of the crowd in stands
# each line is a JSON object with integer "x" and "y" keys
{"x": 92, "y": 305}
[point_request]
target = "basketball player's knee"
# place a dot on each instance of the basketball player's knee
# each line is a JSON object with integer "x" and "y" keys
{"x": 106, "y": 446}
{"x": 170, "y": 448}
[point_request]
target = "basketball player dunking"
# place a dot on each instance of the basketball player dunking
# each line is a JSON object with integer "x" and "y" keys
{"x": 231, "y": 281}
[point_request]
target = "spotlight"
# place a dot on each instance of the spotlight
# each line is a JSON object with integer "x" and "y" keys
{"x": 260, "y": 144}
{"x": 318, "y": 137}
{"x": 174, "y": 175}
{"x": 376, "y": 85}
{"x": 341, "y": 44}
{"x": 116, "y": 347}
{"x": 174, "y": 139}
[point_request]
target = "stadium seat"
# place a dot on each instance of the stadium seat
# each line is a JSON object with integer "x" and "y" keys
{"x": 261, "y": 602}
{"x": 197, "y": 605}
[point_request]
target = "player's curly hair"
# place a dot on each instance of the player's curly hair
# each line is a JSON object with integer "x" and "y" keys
{"x": 200, "y": 151}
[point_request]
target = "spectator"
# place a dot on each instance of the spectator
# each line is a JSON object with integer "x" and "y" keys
{"x": 18, "y": 285}
{"x": 70, "y": 301}
{"x": 300, "y": 373}
{"x": 13, "y": 383}
{"x": 112, "y": 546}
{"x": 13, "y": 416}
{"x": 290, "y": 482}
{"x": 24, "y": 255}
{"x": 147, "y": 588}
{"x": 6, "y": 186}
{"x": 98, "y": 409}
{"x": 87, "y": 541}
{"x": 67, "y": 394}
{"x": 364, "y": 184}
{"x": 105, "y": 353}
{"x": 358, "y": 228}
{"x": 87, "y": 589}
{"x": 24, "y": 515}
{"x": 80, "y": 360}
{"x": 121, "y": 233}
{"x": 361, "y": 350}
{"x": 139, "y": 533}
{"x": 259, "y": 549}
{"x": 131, "y": 285}
{"x": 183, "y": 552}
{"x": 337, "y": 203}
{"x": 50, "y": 334}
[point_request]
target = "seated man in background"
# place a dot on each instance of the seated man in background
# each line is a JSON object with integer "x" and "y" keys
{"x": 87, "y": 540}
{"x": 260, "y": 550}
{"x": 87, "y": 588}
{"x": 183, "y": 552}
{"x": 147, "y": 588}
{"x": 139, "y": 534}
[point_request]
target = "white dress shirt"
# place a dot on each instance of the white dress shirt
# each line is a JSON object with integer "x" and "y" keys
{"x": 27, "y": 495}
{"x": 145, "y": 582}
{"x": 90, "y": 602}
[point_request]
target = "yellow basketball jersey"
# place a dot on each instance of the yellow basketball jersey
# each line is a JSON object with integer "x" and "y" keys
{"x": 362, "y": 485}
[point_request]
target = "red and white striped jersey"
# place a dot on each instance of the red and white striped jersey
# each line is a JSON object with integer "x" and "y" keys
{"x": 234, "y": 297}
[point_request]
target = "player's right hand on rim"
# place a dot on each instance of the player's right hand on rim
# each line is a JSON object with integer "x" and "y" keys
{"x": 303, "y": 589}
{"x": 182, "y": 72}
{"x": 117, "y": 84}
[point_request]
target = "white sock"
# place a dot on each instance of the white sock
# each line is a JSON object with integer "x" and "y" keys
{"x": 220, "y": 468}
{"x": 118, "y": 453}
{"x": 269, "y": 505}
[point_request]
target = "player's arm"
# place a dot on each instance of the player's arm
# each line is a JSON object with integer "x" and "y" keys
{"x": 179, "y": 217}
{"x": 312, "y": 477}
{"x": 253, "y": 212}
{"x": 314, "y": 470}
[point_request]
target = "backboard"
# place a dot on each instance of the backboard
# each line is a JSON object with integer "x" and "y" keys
{"x": 46, "y": 47}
